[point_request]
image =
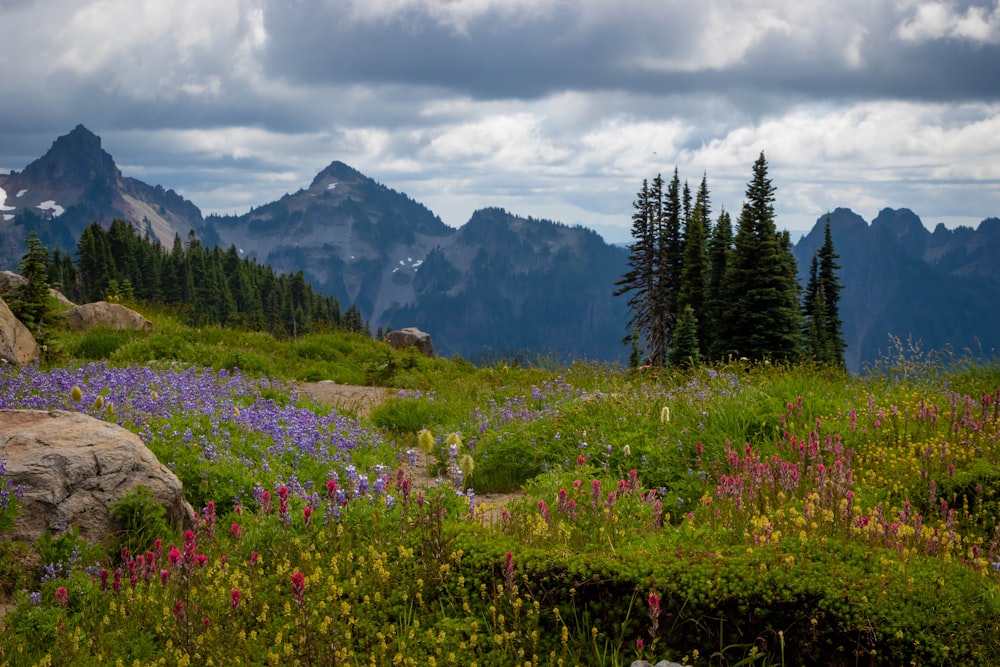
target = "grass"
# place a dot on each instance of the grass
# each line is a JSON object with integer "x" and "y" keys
{"x": 735, "y": 515}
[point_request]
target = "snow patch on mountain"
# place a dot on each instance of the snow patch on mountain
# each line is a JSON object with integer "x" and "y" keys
{"x": 3, "y": 201}
{"x": 21, "y": 192}
{"x": 51, "y": 205}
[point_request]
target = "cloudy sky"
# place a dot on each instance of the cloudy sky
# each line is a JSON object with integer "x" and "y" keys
{"x": 550, "y": 108}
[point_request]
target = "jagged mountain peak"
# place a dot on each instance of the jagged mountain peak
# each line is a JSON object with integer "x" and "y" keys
{"x": 899, "y": 221}
{"x": 74, "y": 160}
{"x": 336, "y": 172}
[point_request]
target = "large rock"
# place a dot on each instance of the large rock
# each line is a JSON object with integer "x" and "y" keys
{"x": 74, "y": 468}
{"x": 16, "y": 342}
{"x": 402, "y": 339}
{"x": 9, "y": 280}
{"x": 104, "y": 314}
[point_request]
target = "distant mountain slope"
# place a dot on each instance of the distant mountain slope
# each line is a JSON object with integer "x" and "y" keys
{"x": 901, "y": 279}
{"x": 497, "y": 285}
{"x": 504, "y": 283}
{"x": 501, "y": 283}
{"x": 76, "y": 183}
{"x": 348, "y": 233}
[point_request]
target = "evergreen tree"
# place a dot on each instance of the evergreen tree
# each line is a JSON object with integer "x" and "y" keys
{"x": 684, "y": 352}
{"x": 671, "y": 254}
{"x": 640, "y": 281}
{"x": 816, "y": 345}
{"x": 832, "y": 287}
{"x": 719, "y": 250}
{"x": 823, "y": 328}
{"x": 30, "y": 301}
{"x": 762, "y": 317}
{"x": 694, "y": 272}
{"x": 96, "y": 265}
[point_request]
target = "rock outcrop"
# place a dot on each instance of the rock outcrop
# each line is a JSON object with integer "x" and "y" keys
{"x": 74, "y": 468}
{"x": 104, "y": 314}
{"x": 9, "y": 280}
{"x": 17, "y": 345}
{"x": 402, "y": 339}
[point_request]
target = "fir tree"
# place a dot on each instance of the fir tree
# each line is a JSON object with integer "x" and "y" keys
{"x": 640, "y": 281}
{"x": 720, "y": 244}
{"x": 30, "y": 301}
{"x": 669, "y": 262}
{"x": 694, "y": 272}
{"x": 813, "y": 327}
{"x": 684, "y": 352}
{"x": 762, "y": 317}
{"x": 832, "y": 287}
{"x": 823, "y": 328}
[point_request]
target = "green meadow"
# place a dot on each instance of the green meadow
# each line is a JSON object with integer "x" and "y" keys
{"x": 518, "y": 514}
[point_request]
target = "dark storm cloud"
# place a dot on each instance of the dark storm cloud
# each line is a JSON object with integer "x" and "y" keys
{"x": 495, "y": 57}
{"x": 556, "y": 108}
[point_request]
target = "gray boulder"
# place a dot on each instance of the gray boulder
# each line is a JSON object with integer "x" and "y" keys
{"x": 74, "y": 467}
{"x": 104, "y": 314}
{"x": 402, "y": 339}
{"x": 17, "y": 345}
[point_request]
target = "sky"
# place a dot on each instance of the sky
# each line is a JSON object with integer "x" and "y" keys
{"x": 555, "y": 109}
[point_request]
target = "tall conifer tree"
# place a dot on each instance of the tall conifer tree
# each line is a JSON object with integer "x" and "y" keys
{"x": 694, "y": 273}
{"x": 719, "y": 250}
{"x": 639, "y": 282}
{"x": 762, "y": 319}
{"x": 824, "y": 335}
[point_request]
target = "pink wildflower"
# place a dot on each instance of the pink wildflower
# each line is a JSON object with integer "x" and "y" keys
{"x": 299, "y": 586}
{"x": 62, "y": 596}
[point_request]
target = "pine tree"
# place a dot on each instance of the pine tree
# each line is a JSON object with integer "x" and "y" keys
{"x": 762, "y": 318}
{"x": 640, "y": 281}
{"x": 720, "y": 244}
{"x": 832, "y": 287}
{"x": 813, "y": 327}
{"x": 670, "y": 255}
{"x": 30, "y": 301}
{"x": 694, "y": 271}
{"x": 684, "y": 352}
{"x": 823, "y": 330}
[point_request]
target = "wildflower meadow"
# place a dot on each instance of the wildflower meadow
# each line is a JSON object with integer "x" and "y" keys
{"x": 581, "y": 515}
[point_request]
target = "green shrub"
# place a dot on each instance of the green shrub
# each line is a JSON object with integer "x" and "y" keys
{"x": 142, "y": 521}
{"x": 15, "y": 575}
{"x": 408, "y": 415}
{"x": 100, "y": 343}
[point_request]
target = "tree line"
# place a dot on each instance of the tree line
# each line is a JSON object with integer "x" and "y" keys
{"x": 698, "y": 291}
{"x": 210, "y": 285}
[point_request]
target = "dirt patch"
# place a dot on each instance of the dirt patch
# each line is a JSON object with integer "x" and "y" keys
{"x": 352, "y": 398}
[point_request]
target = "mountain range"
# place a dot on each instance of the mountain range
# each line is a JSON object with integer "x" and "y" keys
{"x": 501, "y": 283}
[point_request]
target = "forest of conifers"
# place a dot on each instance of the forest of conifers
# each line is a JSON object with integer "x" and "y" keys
{"x": 211, "y": 285}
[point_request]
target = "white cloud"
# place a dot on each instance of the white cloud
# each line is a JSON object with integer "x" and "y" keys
{"x": 505, "y": 142}
{"x": 940, "y": 20}
{"x": 158, "y": 49}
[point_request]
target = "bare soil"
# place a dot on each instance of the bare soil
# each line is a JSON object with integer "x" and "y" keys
{"x": 348, "y": 397}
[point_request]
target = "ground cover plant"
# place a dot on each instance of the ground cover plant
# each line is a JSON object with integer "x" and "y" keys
{"x": 734, "y": 515}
